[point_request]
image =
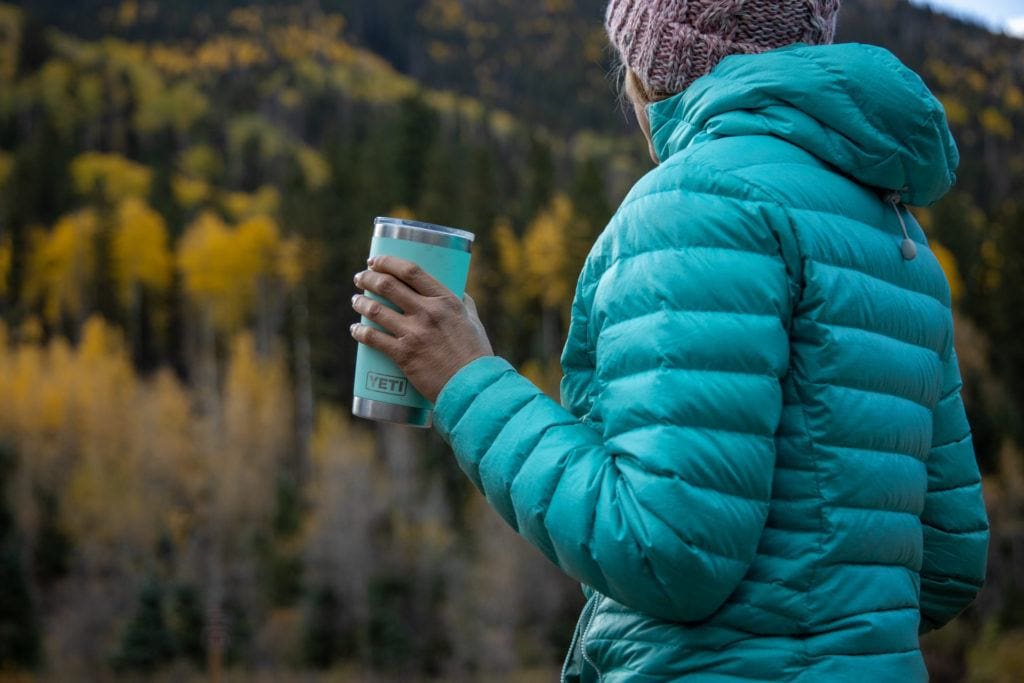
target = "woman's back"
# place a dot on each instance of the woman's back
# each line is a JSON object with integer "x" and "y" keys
{"x": 760, "y": 467}
{"x": 875, "y": 494}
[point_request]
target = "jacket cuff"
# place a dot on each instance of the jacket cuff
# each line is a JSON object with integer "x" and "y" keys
{"x": 462, "y": 388}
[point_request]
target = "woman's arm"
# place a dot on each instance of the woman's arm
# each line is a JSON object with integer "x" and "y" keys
{"x": 663, "y": 510}
{"x": 954, "y": 522}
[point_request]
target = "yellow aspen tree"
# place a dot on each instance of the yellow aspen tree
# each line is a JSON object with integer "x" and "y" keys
{"x": 178, "y": 107}
{"x": 128, "y": 13}
{"x": 117, "y": 450}
{"x": 993, "y": 262}
{"x": 163, "y": 432}
{"x": 171, "y": 60}
{"x": 257, "y": 240}
{"x": 34, "y": 416}
{"x": 257, "y": 248}
{"x": 247, "y": 18}
{"x": 346, "y": 491}
{"x": 6, "y": 166}
{"x": 552, "y": 254}
{"x": 995, "y": 123}
{"x": 149, "y": 95}
{"x": 241, "y": 205}
{"x": 547, "y": 253}
{"x": 188, "y": 192}
{"x": 244, "y": 450}
{"x": 201, "y": 162}
{"x": 5, "y": 263}
{"x": 33, "y": 408}
{"x": 112, "y": 504}
{"x": 113, "y": 175}
{"x": 291, "y": 261}
{"x": 403, "y": 212}
{"x": 949, "y": 266}
{"x": 140, "y": 252}
{"x": 61, "y": 264}
{"x": 256, "y": 431}
{"x": 315, "y": 169}
{"x": 141, "y": 265}
{"x": 11, "y": 21}
{"x": 512, "y": 285}
{"x": 52, "y": 84}
{"x": 209, "y": 266}
{"x": 1013, "y": 99}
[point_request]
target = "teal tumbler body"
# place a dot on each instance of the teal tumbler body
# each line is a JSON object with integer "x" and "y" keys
{"x": 382, "y": 391}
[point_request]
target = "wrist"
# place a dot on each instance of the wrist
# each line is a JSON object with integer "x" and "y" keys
{"x": 464, "y": 386}
{"x": 458, "y": 367}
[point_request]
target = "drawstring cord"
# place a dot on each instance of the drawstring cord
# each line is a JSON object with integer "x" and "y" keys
{"x": 908, "y": 248}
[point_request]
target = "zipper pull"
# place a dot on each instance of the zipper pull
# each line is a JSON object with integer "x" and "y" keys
{"x": 907, "y": 247}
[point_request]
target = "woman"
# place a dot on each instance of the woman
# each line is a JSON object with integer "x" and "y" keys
{"x": 761, "y": 468}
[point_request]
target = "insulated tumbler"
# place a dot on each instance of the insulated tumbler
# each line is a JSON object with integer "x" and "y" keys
{"x": 381, "y": 391}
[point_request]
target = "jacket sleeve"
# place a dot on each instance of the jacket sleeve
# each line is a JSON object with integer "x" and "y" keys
{"x": 954, "y": 522}
{"x": 661, "y": 506}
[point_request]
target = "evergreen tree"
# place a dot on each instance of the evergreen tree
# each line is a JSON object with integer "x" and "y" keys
{"x": 482, "y": 197}
{"x": 482, "y": 200}
{"x": 391, "y": 634}
{"x": 282, "y": 565}
{"x": 540, "y": 178}
{"x": 188, "y": 624}
{"x": 1009, "y": 313}
{"x": 288, "y": 507}
{"x": 146, "y": 642}
{"x": 590, "y": 197}
{"x": 441, "y": 198}
{"x": 239, "y": 630}
{"x": 52, "y": 549}
{"x": 19, "y": 625}
{"x": 417, "y": 134}
{"x": 322, "y": 640}
{"x": 37, "y": 191}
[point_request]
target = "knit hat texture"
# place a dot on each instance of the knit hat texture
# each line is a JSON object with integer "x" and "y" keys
{"x": 672, "y": 43}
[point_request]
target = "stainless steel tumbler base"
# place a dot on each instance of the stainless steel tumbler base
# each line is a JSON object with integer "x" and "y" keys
{"x": 389, "y": 412}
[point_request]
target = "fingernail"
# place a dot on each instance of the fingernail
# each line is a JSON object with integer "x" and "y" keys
{"x": 355, "y": 297}
{"x": 358, "y": 277}
{"x": 370, "y": 261}
{"x": 352, "y": 328}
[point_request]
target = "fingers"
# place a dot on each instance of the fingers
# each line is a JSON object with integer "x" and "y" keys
{"x": 389, "y": 287}
{"x": 374, "y": 338}
{"x": 410, "y": 273}
{"x": 377, "y": 312}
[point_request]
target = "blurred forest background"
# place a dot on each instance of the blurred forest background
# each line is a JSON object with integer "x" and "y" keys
{"x": 187, "y": 188}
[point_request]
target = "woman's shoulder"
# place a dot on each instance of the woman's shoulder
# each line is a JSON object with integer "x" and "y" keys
{"x": 690, "y": 199}
{"x": 692, "y": 205}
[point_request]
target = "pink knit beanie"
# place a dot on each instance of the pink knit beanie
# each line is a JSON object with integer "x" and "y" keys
{"x": 672, "y": 43}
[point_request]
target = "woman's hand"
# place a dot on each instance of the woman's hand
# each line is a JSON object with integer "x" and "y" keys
{"x": 433, "y": 336}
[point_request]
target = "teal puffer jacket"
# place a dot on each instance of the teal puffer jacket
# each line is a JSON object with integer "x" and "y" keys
{"x": 760, "y": 469}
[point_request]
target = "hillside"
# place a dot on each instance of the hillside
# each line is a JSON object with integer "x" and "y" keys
{"x": 186, "y": 188}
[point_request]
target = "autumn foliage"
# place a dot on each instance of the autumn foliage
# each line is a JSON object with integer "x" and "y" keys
{"x": 186, "y": 190}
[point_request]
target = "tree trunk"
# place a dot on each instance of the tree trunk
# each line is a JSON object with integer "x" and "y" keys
{"x": 304, "y": 402}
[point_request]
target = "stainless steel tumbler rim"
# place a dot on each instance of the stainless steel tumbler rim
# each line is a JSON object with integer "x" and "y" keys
{"x": 389, "y": 412}
{"x": 417, "y": 231}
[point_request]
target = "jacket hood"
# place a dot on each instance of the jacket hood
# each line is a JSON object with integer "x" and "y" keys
{"x": 854, "y": 106}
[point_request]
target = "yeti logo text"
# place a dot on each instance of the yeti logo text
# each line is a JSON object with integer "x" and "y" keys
{"x": 386, "y": 383}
